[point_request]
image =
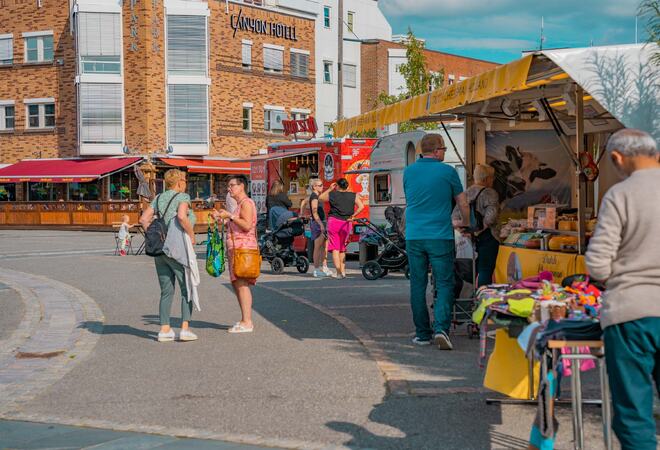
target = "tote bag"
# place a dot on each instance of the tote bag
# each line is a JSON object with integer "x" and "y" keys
{"x": 215, "y": 250}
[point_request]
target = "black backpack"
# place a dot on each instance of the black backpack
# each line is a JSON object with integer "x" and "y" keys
{"x": 476, "y": 218}
{"x": 154, "y": 237}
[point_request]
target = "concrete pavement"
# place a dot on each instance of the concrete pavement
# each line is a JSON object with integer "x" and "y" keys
{"x": 330, "y": 363}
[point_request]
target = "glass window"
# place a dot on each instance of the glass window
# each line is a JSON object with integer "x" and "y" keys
{"x": 41, "y": 115}
{"x": 382, "y": 188}
{"x": 99, "y": 42}
{"x": 186, "y": 45}
{"x": 6, "y": 51}
{"x": 188, "y": 114}
{"x": 273, "y": 60}
{"x": 199, "y": 186}
{"x": 247, "y": 119}
{"x": 39, "y": 48}
{"x": 84, "y": 191}
{"x": 327, "y": 72}
{"x": 8, "y": 192}
{"x": 350, "y": 76}
{"x": 247, "y": 55}
{"x": 327, "y": 129}
{"x": 101, "y": 113}
{"x": 299, "y": 65}
{"x": 33, "y": 116}
{"x": 7, "y": 115}
{"x": 350, "y": 21}
{"x": 42, "y": 192}
{"x": 49, "y": 115}
{"x": 326, "y": 16}
{"x": 123, "y": 186}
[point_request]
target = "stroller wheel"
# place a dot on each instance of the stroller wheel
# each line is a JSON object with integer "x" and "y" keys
{"x": 384, "y": 273}
{"x": 277, "y": 265}
{"x": 302, "y": 264}
{"x": 372, "y": 270}
{"x": 406, "y": 272}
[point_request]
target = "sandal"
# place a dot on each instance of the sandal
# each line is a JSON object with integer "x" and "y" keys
{"x": 238, "y": 328}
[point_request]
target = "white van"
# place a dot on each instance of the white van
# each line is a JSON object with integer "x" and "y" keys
{"x": 392, "y": 154}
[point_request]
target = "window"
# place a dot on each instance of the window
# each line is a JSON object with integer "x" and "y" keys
{"x": 199, "y": 186}
{"x": 99, "y": 42}
{"x": 8, "y": 192}
{"x": 188, "y": 114}
{"x": 6, "y": 50}
{"x": 300, "y": 116}
{"x": 382, "y": 188}
{"x": 350, "y": 21}
{"x": 349, "y": 75}
{"x": 247, "y": 55}
{"x": 100, "y": 113}
{"x": 299, "y": 64}
{"x": 84, "y": 191}
{"x": 326, "y": 16}
{"x": 39, "y": 48}
{"x": 43, "y": 192}
{"x": 273, "y": 120}
{"x": 451, "y": 79}
{"x": 41, "y": 115}
{"x": 327, "y": 72}
{"x": 7, "y": 117}
{"x": 123, "y": 186}
{"x": 327, "y": 129}
{"x": 247, "y": 119}
{"x": 186, "y": 45}
{"x": 273, "y": 59}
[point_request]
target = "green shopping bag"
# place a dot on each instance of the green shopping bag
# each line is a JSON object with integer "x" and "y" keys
{"x": 215, "y": 250}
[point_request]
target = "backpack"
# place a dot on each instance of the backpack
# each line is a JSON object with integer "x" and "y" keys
{"x": 155, "y": 235}
{"x": 476, "y": 218}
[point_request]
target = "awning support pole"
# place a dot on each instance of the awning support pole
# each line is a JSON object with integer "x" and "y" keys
{"x": 460, "y": 158}
{"x": 581, "y": 181}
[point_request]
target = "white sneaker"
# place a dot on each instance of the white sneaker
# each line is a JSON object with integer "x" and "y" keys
{"x": 319, "y": 274}
{"x": 327, "y": 271}
{"x": 187, "y": 335}
{"x": 166, "y": 337}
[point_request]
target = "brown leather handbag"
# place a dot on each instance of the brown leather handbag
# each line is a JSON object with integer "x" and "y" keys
{"x": 246, "y": 262}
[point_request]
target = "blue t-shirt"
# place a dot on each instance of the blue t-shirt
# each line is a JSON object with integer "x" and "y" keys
{"x": 430, "y": 187}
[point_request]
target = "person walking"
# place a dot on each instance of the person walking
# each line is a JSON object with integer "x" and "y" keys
{"x": 344, "y": 206}
{"x": 430, "y": 186}
{"x": 242, "y": 233}
{"x": 318, "y": 229}
{"x": 172, "y": 204}
{"x": 487, "y": 204}
{"x": 623, "y": 252}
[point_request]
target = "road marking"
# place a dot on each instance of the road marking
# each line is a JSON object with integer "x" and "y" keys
{"x": 94, "y": 251}
{"x": 381, "y": 305}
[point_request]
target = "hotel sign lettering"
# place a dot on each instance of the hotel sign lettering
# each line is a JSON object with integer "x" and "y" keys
{"x": 259, "y": 26}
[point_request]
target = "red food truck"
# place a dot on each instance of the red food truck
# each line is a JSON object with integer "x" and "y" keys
{"x": 295, "y": 163}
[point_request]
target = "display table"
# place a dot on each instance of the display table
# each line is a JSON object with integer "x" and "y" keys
{"x": 517, "y": 263}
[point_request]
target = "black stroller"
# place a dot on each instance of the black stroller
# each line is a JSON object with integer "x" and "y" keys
{"x": 393, "y": 256}
{"x": 276, "y": 246}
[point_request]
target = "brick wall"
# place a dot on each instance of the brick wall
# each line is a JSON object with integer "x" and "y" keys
{"x": 55, "y": 79}
{"x": 375, "y": 71}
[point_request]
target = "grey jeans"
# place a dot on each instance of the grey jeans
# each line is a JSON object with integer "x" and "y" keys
{"x": 169, "y": 270}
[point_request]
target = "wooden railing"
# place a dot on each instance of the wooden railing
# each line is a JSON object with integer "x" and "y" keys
{"x": 88, "y": 215}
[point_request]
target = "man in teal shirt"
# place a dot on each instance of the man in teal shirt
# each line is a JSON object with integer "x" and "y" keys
{"x": 430, "y": 187}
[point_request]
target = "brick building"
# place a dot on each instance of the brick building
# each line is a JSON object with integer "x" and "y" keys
{"x": 192, "y": 79}
{"x": 381, "y": 60}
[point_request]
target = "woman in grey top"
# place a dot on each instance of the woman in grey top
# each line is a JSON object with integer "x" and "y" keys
{"x": 487, "y": 204}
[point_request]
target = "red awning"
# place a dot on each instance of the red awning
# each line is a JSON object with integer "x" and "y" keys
{"x": 281, "y": 154}
{"x": 209, "y": 165}
{"x": 64, "y": 170}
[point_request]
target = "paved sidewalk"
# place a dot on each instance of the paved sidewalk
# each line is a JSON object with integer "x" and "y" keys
{"x": 36, "y": 436}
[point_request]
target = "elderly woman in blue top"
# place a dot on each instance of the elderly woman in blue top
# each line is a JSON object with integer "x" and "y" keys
{"x": 430, "y": 187}
{"x": 168, "y": 269}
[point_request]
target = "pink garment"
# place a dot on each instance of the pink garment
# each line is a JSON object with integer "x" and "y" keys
{"x": 587, "y": 364}
{"x": 242, "y": 239}
{"x": 338, "y": 234}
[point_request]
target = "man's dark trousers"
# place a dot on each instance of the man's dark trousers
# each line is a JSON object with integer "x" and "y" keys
{"x": 440, "y": 254}
{"x": 632, "y": 353}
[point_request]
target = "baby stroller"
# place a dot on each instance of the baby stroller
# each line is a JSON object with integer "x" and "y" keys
{"x": 393, "y": 256}
{"x": 276, "y": 246}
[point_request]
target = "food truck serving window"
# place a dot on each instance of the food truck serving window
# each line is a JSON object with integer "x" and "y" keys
{"x": 382, "y": 188}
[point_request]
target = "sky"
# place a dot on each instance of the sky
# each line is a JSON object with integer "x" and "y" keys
{"x": 498, "y": 30}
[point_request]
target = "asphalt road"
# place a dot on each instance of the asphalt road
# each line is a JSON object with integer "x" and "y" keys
{"x": 330, "y": 362}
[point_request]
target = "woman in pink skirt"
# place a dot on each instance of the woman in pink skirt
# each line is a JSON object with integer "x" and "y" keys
{"x": 343, "y": 204}
{"x": 241, "y": 233}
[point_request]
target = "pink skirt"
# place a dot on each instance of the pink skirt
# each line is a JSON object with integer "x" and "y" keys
{"x": 338, "y": 234}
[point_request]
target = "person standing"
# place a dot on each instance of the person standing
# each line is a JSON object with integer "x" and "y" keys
{"x": 430, "y": 186}
{"x": 487, "y": 204}
{"x": 318, "y": 229}
{"x": 344, "y": 206}
{"x": 172, "y": 204}
{"x": 623, "y": 252}
{"x": 241, "y": 233}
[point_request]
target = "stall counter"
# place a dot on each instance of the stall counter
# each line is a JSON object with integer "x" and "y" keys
{"x": 519, "y": 263}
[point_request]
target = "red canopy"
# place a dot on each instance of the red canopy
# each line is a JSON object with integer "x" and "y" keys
{"x": 63, "y": 170}
{"x": 209, "y": 165}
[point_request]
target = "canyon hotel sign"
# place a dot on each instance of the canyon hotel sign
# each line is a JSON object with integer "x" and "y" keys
{"x": 259, "y": 26}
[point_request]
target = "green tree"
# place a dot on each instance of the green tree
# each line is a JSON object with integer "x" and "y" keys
{"x": 651, "y": 8}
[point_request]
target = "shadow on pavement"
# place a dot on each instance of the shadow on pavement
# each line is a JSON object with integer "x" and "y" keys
{"x": 175, "y": 322}
{"x": 107, "y": 329}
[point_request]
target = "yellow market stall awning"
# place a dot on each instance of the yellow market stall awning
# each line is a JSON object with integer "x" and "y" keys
{"x": 503, "y": 80}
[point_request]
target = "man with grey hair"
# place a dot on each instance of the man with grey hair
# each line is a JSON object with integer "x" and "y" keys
{"x": 624, "y": 252}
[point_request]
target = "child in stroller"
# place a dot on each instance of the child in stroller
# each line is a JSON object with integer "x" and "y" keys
{"x": 276, "y": 245}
